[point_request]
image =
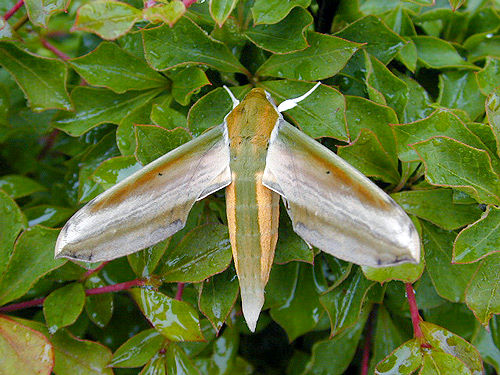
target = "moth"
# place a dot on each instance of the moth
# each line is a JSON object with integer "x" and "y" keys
{"x": 257, "y": 157}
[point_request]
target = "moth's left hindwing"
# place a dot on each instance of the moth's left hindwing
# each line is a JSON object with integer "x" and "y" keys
{"x": 151, "y": 205}
{"x": 335, "y": 207}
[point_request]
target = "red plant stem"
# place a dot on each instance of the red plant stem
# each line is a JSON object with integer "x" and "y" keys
{"x": 88, "y": 292}
{"x": 49, "y": 143}
{"x": 54, "y": 50}
{"x": 415, "y": 316}
{"x": 115, "y": 287}
{"x": 22, "y": 305}
{"x": 95, "y": 270}
{"x": 180, "y": 290}
{"x": 188, "y": 3}
{"x": 13, "y": 10}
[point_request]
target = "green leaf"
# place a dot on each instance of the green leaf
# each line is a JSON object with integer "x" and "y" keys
{"x": 285, "y": 36}
{"x": 75, "y": 356}
{"x": 24, "y": 350}
{"x": 99, "y": 307}
{"x": 40, "y": 11}
{"x": 322, "y": 114}
{"x": 380, "y": 78}
{"x": 221, "y": 9}
{"x": 167, "y": 118}
{"x": 483, "y": 294}
{"x": 455, "y": 4}
{"x": 177, "y": 362}
{"x": 451, "y": 163}
{"x": 480, "y": 46}
{"x": 225, "y": 350}
{"x": 203, "y": 252}
{"x": 290, "y": 246}
{"x": 333, "y": 356}
{"x": 381, "y": 41}
{"x": 479, "y": 239}
{"x": 365, "y": 114}
{"x": 493, "y": 114}
{"x": 387, "y": 337}
{"x": 217, "y": 297}
{"x": 405, "y": 359}
{"x": 47, "y": 215}
{"x": 144, "y": 262}
{"x": 301, "y": 311}
{"x": 273, "y": 11}
{"x": 460, "y": 90}
{"x": 176, "y": 320}
{"x": 13, "y": 223}
{"x": 437, "y": 206}
{"x": 367, "y": 154}
{"x": 106, "y": 18}
{"x": 450, "y": 280}
{"x": 490, "y": 353}
{"x": 42, "y": 80}
{"x": 325, "y": 57}
{"x": 156, "y": 366}
{"x": 344, "y": 303}
{"x": 443, "y": 340}
{"x": 440, "y": 123}
{"x": 62, "y": 307}
{"x": 419, "y": 101}
{"x": 185, "y": 44}
{"x": 168, "y": 13}
{"x": 211, "y": 109}
{"x": 436, "y": 363}
{"x": 114, "y": 170}
{"x": 19, "y": 186}
{"x": 154, "y": 141}
{"x": 33, "y": 257}
{"x": 488, "y": 78}
{"x": 138, "y": 350}
{"x": 111, "y": 67}
{"x": 437, "y": 53}
{"x": 186, "y": 82}
{"x": 99, "y": 106}
{"x": 89, "y": 161}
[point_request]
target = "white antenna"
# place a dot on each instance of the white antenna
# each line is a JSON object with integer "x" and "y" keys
{"x": 290, "y": 103}
{"x": 233, "y": 98}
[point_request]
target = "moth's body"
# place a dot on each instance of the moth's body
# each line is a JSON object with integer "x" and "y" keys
{"x": 252, "y": 209}
{"x": 258, "y": 157}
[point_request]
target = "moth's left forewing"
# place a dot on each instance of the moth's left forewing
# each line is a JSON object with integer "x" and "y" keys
{"x": 335, "y": 207}
{"x": 150, "y": 205}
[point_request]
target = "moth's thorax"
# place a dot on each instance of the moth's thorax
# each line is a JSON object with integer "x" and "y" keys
{"x": 252, "y": 120}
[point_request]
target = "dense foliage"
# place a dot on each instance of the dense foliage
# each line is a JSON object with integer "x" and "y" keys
{"x": 92, "y": 90}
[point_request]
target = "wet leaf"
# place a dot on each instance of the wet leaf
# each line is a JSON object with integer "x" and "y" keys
{"x": 203, "y": 252}
{"x": 163, "y": 51}
{"x": 111, "y": 67}
{"x": 24, "y": 350}
{"x": 33, "y": 257}
{"x": 108, "y": 19}
{"x": 483, "y": 295}
{"x": 325, "y": 57}
{"x": 176, "y": 320}
{"x": 19, "y": 186}
{"x": 42, "y": 80}
{"x": 218, "y": 296}
{"x": 273, "y": 11}
{"x": 454, "y": 164}
{"x": 62, "y": 307}
{"x": 283, "y": 37}
{"x": 479, "y": 239}
{"x": 138, "y": 350}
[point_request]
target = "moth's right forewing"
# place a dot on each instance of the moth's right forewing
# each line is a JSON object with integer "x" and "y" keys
{"x": 335, "y": 207}
{"x": 150, "y": 205}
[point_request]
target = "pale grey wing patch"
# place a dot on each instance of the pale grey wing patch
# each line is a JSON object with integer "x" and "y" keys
{"x": 333, "y": 206}
{"x": 150, "y": 205}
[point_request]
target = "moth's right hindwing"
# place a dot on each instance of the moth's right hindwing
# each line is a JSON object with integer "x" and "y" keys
{"x": 335, "y": 207}
{"x": 151, "y": 205}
